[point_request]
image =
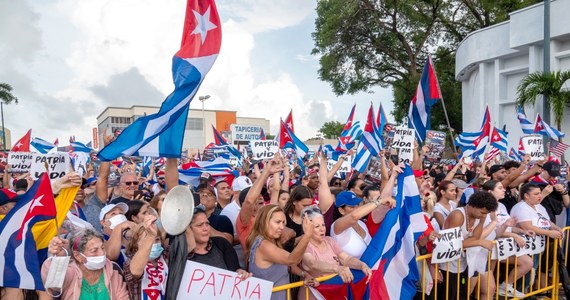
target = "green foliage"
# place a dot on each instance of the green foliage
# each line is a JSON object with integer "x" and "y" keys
{"x": 331, "y": 129}
{"x": 367, "y": 43}
{"x": 549, "y": 85}
{"x": 6, "y": 95}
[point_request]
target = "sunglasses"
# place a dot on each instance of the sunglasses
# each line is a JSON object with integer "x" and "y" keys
{"x": 337, "y": 184}
{"x": 128, "y": 183}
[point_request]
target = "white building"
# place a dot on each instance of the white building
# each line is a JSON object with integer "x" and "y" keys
{"x": 491, "y": 62}
{"x": 198, "y": 131}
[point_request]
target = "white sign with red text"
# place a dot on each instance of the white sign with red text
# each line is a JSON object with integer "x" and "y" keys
{"x": 205, "y": 282}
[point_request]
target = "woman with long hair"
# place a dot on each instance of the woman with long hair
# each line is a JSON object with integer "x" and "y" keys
{"x": 300, "y": 198}
{"x": 446, "y": 193}
{"x": 266, "y": 257}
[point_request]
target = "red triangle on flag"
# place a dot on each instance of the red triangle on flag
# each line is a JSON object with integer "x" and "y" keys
{"x": 152, "y": 294}
{"x": 23, "y": 144}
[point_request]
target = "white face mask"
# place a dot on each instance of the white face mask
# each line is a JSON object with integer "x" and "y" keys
{"x": 94, "y": 262}
{"x": 56, "y": 273}
{"x": 117, "y": 220}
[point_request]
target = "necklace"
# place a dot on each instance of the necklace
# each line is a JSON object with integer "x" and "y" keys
{"x": 469, "y": 228}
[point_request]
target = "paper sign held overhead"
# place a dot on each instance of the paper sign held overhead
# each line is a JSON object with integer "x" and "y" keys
{"x": 264, "y": 149}
{"x": 20, "y": 162}
{"x": 533, "y": 146}
{"x": 57, "y": 165}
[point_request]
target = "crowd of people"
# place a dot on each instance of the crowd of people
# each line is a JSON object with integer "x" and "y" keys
{"x": 286, "y": 223}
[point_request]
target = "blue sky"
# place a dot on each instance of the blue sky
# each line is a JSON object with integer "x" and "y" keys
{"x": 69, "y": 59}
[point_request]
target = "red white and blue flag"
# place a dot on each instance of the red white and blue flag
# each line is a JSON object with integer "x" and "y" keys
{"x": 262, "y": 135}
{"x": 499, "y": 139}
{"x": 350, "y": 133}
{"x": 371, "y": 136}
{"x": 542, "y": 128}
{"x": 289, "y": 122}
{"x": 391, "y": 252}
{"x": 219, "y": 140}
{"x": 526, "y": 125}
{"x": 42, "y": 145}
{"x": 427, "y": 93}
{"x": 23, "y": 144}
{"x": 19, "y": 260}
{"x": 381, "y": 119}
{"x": 474, "y": 144}
{"x": 162, "y": 134}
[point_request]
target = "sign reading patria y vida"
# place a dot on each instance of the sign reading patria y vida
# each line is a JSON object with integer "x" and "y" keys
{"x": 448, "y": 247}
{"x": 242, "y": 133}
{"x": 205, "y": 282}
{"x": 265, "y": 149}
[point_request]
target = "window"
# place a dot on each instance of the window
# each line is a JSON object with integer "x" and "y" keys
{"x": 194, "y": 124}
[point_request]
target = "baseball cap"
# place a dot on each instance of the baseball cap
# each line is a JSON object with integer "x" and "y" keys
{"x": 107, "y": 208}
{"x": 495, "y": 168}
{"x": 7, "y": 196}
{"x": 91, "y": 180}
{"x": 347, "y": 198}
{"x": 241, "y": 183}
{"x": 160, "y": 173}
{"x": 552, "y": 167}
{"x": 419, "y": 173}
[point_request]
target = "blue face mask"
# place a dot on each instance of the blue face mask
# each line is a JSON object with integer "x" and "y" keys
{"x": 155, "y": 251}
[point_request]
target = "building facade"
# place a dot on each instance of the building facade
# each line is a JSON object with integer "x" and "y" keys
{"x": 492, "y": 61}
{"x": 198, "y": 131}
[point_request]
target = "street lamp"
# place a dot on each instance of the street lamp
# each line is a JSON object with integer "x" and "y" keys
{"x": 203, "y": 99}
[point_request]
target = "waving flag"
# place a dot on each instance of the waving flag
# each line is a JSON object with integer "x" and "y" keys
{"x": 370, "y": 136}
{"x": 391, "y": 252}
{"x": 494, "y": 152}
{"x": 80, "y": 147}
{"x": 19, "y": 263}
{"x": 522, "y": 151}
{"x": 219, "y": 139}
{"x": 41, "y": 145}
{"x": 348, "y": 124}
{"x": 220, "y": 169}
{"x": 23, "y": 144}
{"x": 348, "y": 138}
{"x": 361, "y": 158}
{"x": 288, "y": 139}
{"x": 289, "y": 122}
{"x": 56, "y": 142}
{"x": 542, "y": 128}
{"x": 161, "y": 134}
{"x": 427, "y": 93}
{"x": 499, "y": 140}
{"x": 526, "y": 125}
{"x": 557, "y": 148}
{"x": 475, "y": 143}
{"x": 514, "y": 155}
{"x": 262, "y": 135}
{"x": 381, "y": 119}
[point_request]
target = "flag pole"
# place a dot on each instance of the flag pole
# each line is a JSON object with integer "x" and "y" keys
{"x": 444, "y": 110}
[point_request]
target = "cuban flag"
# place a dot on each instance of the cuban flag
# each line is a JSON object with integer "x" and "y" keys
{"x": 348, "y": 139}
{"x": 381, "y": 119}
{"x": 19, "y": 259}
{"x": 370, "y": 136}
{"x": 526, "y": 125}
{"x": 288, "y": 139}
{"x": 219, "y": 140}
{"x": 361, "y": 158}
{"x": 475, "y": 143}
{"x": 42, "y": 145}
{"x": 23, "y": 144}
{"x": 514, "y": 155}
{"x": 499, "y": 139}
{"x": 161, "y": 134}
{"x": 219, "y": 168}
{"x": 289, "y": 122}
{"x": 391, "y": 252}
{"x": 522, "y": 151}
{"x": 542, "y": 128}
{"x": 262, "y": 135}
{"x": 348, "y": 124}
{"x": 427, "y": 93}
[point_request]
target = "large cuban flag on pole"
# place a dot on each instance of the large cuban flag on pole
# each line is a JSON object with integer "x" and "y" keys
{"x": 427, "y": 93}
{"x": 161, "y": 134}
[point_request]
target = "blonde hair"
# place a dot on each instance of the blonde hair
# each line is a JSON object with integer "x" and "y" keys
{"x": 262, "y": 218}
{"x": 429, "y": 202}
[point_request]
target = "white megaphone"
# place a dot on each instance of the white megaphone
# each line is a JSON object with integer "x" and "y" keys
{"x": 177, "y": 210}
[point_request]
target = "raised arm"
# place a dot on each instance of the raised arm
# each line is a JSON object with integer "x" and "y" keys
{"x": 171, "y": 173}
{"x": 326, "y": 198}
{"x": 248, "y": 207}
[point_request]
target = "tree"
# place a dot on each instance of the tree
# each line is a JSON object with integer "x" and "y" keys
{"x": 331, "y": 129}
{"x": 550, "y": 86}
{"x": 367, "y": 43}
{"x": 6, "y": 95}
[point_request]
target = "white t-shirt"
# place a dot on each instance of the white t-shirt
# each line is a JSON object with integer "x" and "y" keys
{"x": 350, "y": 241}
{"x": 537, "y": 215}
{"x": 442, "y": 210}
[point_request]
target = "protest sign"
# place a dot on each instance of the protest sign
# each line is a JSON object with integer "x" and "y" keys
{"x": 374, "y": 169}
{"x": 264, "y": 149}
{"x": 20, "y": 162}
{"x": 205, "y": 282}
{"x": 504, "y": 248}
{"x": 345, "y": 167}
{"x": 533, "y": 146}
{"x": 449, "y": 246}
{"x": 435, "y": 142}
{"x": 404, "y": 142}
{"x": 405, "y": 156}
{"x": 57, "y": 165}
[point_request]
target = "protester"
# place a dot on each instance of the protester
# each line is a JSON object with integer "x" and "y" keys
{"x": 446, "y": 195}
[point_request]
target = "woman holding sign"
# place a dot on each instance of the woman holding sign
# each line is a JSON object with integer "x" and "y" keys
{"x": 470, "y": 220}
{"x": 531, "y": 215}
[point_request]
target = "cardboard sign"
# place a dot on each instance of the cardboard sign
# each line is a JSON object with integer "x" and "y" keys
{"x": 403, "y": 138}
{"x": 448, "y": 247}
{"x": 205, "y": 282}
{"x": 435, "y": 141}
{"x": 264, "y": 149}
{"x": 504, "y": 248}
{"x": 20, "y": 162}
{"x": 57, "y": 165}
{"x": 345, "y": 167}
{"x": 533, "y": 145}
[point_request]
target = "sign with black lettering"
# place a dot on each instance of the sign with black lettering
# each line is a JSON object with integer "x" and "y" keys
{"x": 403, "y": 138}
{"x": 264, "y": 149}
{"x": 533, "y": 146}
{"x": 504, "y": 248}
{"x": 345, "y": 167}
{"x": 448, "y": 247}
{"x": 20, "y": 162}
{"x": 57, "y": 165}
{"x": 435, "y": 142}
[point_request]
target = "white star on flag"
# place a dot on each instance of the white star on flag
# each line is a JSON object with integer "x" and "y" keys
{"x": 204, "y": 25}
{"x": 18, "y": 144}
{"x": 36, "y": 202}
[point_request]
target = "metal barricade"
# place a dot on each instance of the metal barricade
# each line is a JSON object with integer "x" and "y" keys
{"x": 532, "y": 283}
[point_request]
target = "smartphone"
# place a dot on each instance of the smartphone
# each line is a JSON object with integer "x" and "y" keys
{"x": 394, "y": 158}
{"x": 138, "y": 195}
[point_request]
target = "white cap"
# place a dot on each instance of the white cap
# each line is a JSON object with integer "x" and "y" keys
{"x": 241, "y": 183}
{"x": 107, "y": 208}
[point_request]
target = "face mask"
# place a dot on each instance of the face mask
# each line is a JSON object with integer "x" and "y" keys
{"x": 56, "y": 273}
{"x": 155, "y": 251}
{"x": 117, "y": 220}
{"x": 95, "y": 262}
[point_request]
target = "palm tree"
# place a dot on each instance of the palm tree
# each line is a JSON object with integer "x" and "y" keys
{"x": 7, "y": 97}
{"x": 6, "y": 94}
{"x": 550, "y": 86}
